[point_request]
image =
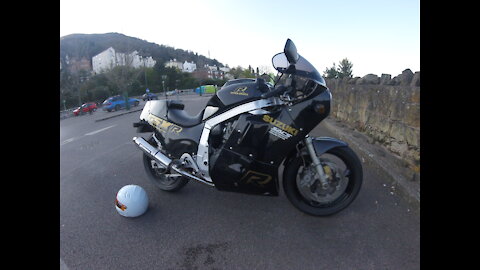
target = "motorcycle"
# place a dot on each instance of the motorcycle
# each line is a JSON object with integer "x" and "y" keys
{"x": 246, "y": 131}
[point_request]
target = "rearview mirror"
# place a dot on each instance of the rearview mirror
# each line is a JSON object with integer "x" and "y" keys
{"x": 291, "y": 52}
{"x": 280, "y": 62}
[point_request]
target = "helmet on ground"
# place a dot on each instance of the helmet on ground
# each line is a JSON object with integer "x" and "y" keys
{"x": 131, "y": 201}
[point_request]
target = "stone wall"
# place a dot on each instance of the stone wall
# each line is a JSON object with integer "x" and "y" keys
{"x": 386, "y": 109}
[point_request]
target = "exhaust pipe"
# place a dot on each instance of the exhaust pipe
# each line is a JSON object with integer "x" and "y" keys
{"x": 152, "y": 151}
{"x": 164, "y": 161}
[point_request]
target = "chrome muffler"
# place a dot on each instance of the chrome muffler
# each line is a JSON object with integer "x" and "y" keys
{"x": 163, "y": 160}
{"x": 152, "y": 151}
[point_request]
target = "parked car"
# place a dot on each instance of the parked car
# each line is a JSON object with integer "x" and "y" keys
{"x": 149, "y": 96}
{"x": 86, "y": 107}
{"x": 116, "y": 103}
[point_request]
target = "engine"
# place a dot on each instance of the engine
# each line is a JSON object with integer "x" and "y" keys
{"x": 220, "y": 134}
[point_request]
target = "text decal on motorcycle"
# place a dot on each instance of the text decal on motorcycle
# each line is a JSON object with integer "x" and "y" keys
{"x": 240, "y": 91}
{"x": 256, "y": 177}
{"x": 282, "y": 130}
{"x": 279, "y": 133}
{"x": 163, "y": 125}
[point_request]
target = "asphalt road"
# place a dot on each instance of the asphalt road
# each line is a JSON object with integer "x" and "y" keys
{"x": 202, "y": 228}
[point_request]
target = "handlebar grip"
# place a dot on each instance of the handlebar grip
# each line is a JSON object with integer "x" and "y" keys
{"x": 275, "y": 92}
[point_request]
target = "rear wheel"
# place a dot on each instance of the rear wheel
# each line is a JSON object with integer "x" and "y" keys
{"x": 304, "y": 190}
{"x": 156, "y": 173}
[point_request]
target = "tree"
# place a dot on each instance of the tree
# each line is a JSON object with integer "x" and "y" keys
{"x": 331, "y": 73}
{"x": 264, "y": 69}
{"x": 247, "y": 73}
{"x": 236, "y": 72}
{"x": 345, "y": 69}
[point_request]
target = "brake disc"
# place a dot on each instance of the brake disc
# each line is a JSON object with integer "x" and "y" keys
{"x": 310, "y": 187}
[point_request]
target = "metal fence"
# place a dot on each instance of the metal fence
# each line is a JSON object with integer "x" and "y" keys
{"x": 66, "y": 113}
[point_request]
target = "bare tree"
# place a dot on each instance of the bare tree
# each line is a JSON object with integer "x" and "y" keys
{"x": 264, "y": 69}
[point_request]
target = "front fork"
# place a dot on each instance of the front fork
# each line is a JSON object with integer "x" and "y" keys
{"x": 316, "y": 162}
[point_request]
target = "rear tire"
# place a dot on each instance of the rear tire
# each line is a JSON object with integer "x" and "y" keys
{"x": 158, "y": 178}
{"x": 311, "y": 207}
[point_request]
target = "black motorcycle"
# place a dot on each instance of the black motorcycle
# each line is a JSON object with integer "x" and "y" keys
{"x": 246, "y": 131}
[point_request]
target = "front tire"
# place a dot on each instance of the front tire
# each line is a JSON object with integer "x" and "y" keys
{"x": 344, "y": 183}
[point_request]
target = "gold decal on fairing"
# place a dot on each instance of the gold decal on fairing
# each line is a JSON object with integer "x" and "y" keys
{"x": 256, "y": 177}
{"x": 279, "y": 124}
{"x": 163, "y": 125}
{"x": 240, "y": 91}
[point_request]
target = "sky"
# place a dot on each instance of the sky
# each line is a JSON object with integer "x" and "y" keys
{"x": 375, "y": 36}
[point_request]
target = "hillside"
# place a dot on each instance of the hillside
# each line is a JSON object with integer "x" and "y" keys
{"x": 77, "y": 46}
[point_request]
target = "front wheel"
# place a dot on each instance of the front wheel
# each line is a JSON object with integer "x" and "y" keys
{"x": 304, "y": 190}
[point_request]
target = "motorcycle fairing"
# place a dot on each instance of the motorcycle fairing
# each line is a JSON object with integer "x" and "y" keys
{"x": 239, "y": 173}
{"x": 203, "y": 146}
{"x": 248, "y": 161}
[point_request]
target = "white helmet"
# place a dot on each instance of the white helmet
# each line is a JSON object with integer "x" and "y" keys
{"x": 131, "y": 201}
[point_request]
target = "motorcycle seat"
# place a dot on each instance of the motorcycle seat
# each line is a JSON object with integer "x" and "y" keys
{"x": 178, "y": 116}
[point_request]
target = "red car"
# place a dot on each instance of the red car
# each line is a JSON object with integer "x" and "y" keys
{"x": 87, "y": 107}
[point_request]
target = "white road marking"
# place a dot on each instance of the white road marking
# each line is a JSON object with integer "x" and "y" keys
{"x": 67, "y": 141}
{"x": 100, "y": 130}
{"x": 88, "y": 134}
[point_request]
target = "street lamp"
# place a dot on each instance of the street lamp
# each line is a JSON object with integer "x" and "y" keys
{"x": 163, "y": 84}
{"x": 145, "y": 73}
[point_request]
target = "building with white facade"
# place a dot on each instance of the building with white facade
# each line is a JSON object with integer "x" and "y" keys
{"x": 174, "y": 64}
{"x": 225, "y": 69}
{"x": 189, "y": 67}
{"x": 109, "y": 59}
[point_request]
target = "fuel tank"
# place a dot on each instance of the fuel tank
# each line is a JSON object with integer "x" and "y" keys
{"x": 240, "y": 91}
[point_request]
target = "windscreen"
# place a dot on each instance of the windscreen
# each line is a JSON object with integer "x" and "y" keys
{"x": 302, "y": 68}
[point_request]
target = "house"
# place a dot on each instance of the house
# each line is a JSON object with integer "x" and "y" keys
{"x": 174, "y": 64}
{"x": 201, "y": 73}
{"x": 209, "y": 72}
{"x": 110, "y": 58}
{"x": 225, "y": 69}
{"x": 189, "y": 67}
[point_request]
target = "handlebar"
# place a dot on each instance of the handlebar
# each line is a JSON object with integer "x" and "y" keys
{"x": 279, "y": 90}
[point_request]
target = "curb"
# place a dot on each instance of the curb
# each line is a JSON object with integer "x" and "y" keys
{"x": 404, "y": 182}
{"x": 119, "y": 114}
